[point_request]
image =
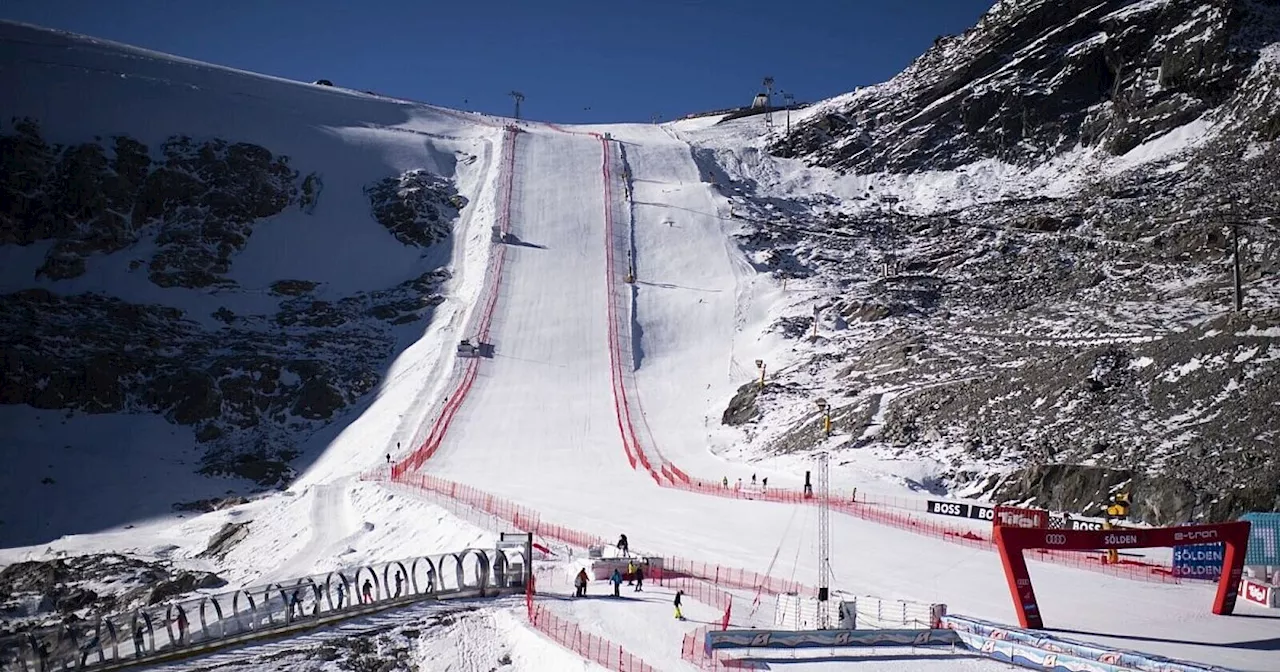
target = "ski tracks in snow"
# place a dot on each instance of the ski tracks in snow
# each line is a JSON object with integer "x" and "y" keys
{"x": 331, "y": 522}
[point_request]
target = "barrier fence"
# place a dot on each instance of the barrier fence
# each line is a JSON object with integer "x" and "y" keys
{"x": 964, "y": 536}
{"x": 596, "y": 649}
{"x": 466, "y": 369}
{"x": 208, "y": 621}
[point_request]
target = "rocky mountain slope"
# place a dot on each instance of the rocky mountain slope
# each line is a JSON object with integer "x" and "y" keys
{"x": 244, "y": 382}
{"x": 1022, "y": 260}
{"x": 241, "y": 256}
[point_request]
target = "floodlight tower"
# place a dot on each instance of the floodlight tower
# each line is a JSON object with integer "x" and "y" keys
{"x": 824, "y": 542}
{"x": 519, "y": 99}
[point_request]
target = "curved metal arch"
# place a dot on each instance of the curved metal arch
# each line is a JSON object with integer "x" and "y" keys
{"x": 502, "y": 569}
{"x": 240, "y": 615}
{"x": 285, "y": 601}
{"x": 310, "y": 582}
{"x": 113, "y": 634}
{"x": 376, "y": 593}
{"x": 344, "y": 586}
{"x": 482, "y": 568}
{"x": 399, "y": 564}
{"x": 176, "y": 614}
{"x": 65, "y": 634}
{"x": 291, "y": 591}
{"x": 141, "y": 635}
{"x": 204, "y": 621}
{"x": 36, "y": 650}
{"x": 432, "y": 587}
{"x": 94, "y": 644}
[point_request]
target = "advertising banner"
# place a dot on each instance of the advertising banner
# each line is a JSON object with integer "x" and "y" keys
{"x": 961, "y": 510}
{"x": 1198, "y": 561}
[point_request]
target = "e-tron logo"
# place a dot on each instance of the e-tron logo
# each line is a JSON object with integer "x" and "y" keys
{"x": 1195, "y": 535}
{"x": 1055, "y": 539}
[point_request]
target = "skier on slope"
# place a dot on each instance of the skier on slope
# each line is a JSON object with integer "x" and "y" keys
{"x": 580, "y": 583}
{"x": 623, "y": 547}
{"x": 679, "y": 615}
{"x": 616, "y": 580}
{"x": 639, "y": 578}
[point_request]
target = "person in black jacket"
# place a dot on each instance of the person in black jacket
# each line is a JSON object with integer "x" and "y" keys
{"x": 639, "y": 578}
{"x": 624, "y": 547}
{"x": 677, "y": 603}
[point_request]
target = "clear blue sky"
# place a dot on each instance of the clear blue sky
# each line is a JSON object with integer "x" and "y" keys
{"x": 575, "y": 60}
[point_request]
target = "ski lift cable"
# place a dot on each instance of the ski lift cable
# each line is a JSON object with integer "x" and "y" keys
{"x": 755, "y": 603}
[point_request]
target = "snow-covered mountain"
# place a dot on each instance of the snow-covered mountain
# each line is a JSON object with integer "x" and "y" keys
{"x": 238, "y": 256}
{"x": 209, "y": 270}
{"x": 1019, "y": 251}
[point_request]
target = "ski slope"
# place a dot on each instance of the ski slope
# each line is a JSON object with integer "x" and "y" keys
{"x": 541, "y": 424}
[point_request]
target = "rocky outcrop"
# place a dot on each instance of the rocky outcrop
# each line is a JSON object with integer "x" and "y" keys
{"x": 742, "y": 408}
{"x": 198, "y": 201}
{"x": 225, "y": 539}
{"x": 80, "y": 587}
{"x": 246, "y": 388}
{"x": 1036, "y": 78}
{"x": 1044, "y": 344}
{"x": 417, "y": 207}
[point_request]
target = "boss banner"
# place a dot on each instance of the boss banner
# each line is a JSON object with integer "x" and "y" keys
{"x": 961, "y": 510}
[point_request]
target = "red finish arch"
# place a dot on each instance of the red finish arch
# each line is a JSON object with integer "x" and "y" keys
{"x": 1012, "y": 541}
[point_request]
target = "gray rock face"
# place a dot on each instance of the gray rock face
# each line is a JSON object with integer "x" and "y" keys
{"x": 1044, "y": 348}
{"x": 61, "y": 588}
{"x": 742, "y": 408}
{"x": 250, "y": 387}
{"x": 1035, "y": 78}
{"x": 418, "y": 207}
{"x": 199, "y": 199}
{"x": 246, "y": 388}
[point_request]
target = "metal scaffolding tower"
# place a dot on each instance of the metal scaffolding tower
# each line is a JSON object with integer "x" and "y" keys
{"x": 824, "y": 541}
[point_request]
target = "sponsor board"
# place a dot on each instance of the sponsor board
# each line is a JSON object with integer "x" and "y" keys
{"x": 1056, "y": 539}
{"x": 1196, "y": 535}
{"x": 1197, "y": 560}
{"x": 948, "y": 508}
{"x": 1258, "y": 593}
{"x": 960, "y": 510}
{"x": 1120, "y": 540}
{"x": 1009, "y": 516}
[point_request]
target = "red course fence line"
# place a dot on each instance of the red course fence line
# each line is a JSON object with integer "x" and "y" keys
{"x": 453, "y": 402}
{"x": 620, "y": 406}
{"x": 671, "y": 476}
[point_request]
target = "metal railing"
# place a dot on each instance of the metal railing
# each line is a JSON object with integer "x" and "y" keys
{"x": 163, "y": 631}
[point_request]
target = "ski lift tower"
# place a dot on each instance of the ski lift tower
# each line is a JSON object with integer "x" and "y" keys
{"x": 768, "y": 100}
{"x": 519, "y": 99}
{"x": 824, "y": 541}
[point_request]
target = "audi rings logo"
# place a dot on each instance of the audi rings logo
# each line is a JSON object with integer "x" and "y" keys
{"x": 1055, "y": 539}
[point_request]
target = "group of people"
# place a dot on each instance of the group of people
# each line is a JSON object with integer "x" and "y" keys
{"x": 764, "y": 482}
{"x": 633, "y": 576}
